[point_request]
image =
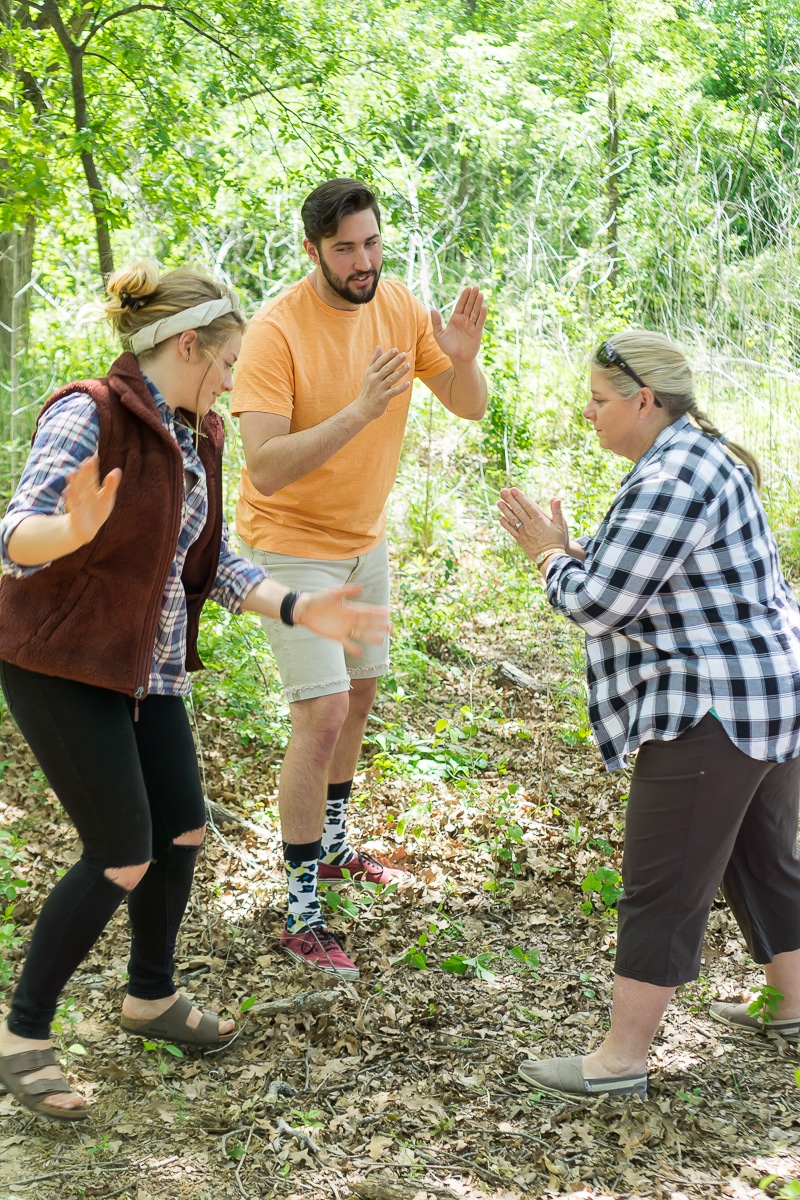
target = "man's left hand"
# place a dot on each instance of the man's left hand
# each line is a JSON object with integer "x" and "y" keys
{"x": 460, "y": 339}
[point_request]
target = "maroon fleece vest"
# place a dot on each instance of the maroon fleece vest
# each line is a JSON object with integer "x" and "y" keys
{"x": 93, "y": 615}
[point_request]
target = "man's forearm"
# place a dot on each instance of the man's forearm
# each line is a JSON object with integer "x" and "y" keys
{"x": 288, "y": 457}
{"x": 468, "y": 391}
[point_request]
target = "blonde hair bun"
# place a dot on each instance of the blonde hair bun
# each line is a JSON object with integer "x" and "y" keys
{"x": 137, "y": 281}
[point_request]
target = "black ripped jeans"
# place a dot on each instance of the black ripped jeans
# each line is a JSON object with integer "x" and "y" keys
{"x": 130, "y": 784}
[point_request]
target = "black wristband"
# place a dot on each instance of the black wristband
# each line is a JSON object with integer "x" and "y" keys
{"x": 287, "y": 607}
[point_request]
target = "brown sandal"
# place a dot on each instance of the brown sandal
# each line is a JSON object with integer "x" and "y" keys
{"x": 171, "y": 1027}
{"x": 33, "y": 1095}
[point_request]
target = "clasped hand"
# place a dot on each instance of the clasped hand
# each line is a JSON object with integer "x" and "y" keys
{"x": 530, "y": 526}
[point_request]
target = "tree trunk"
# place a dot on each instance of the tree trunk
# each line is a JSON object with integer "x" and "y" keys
{"x": 16, "y": 244}
{"x": 97, "y": 197}
{"x": 16, "y": 264}
{"x": 96, "y": 191}
{"x": 612, "y": 150}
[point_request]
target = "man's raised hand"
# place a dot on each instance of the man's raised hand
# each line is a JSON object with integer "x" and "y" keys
{"x": 460, "y": 339}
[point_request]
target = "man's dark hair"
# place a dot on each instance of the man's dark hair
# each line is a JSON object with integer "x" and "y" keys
{"x": 323, "y": 210}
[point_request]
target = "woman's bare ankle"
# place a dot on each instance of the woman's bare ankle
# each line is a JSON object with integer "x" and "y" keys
{"x": 142, "y": 1010}
{"x": 12, "y": 1043}
{"x": 603, "y": 1064}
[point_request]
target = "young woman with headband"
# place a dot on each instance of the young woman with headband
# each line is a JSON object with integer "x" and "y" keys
{"x": 110, "y": 546}
{"x": 693, "y": 646}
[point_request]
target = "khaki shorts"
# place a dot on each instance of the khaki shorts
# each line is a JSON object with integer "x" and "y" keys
{"x": 311, "y": 665}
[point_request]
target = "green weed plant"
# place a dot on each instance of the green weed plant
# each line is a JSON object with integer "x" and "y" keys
{"x": 240, "y": 685}
{"x": 765, "y": 1003}
{"x": 605, "y": 883}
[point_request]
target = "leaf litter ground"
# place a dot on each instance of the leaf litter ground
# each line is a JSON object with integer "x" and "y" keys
{"x": 403, "y": 1085}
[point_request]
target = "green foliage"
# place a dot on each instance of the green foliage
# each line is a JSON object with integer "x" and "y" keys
{"x": 765, "y": 1004}
{"x": 364, "y": 898}
{"x": 787, "y": 1189}
{"x": 64, "y": 1025}
{"x": 10, "y": 883}
{"x": 161, "y": 1052}
{"x": 527, "y": 960}
{"x": 415, "y": 955}
{"x": 459, "y": 964}
{"x": 606, "y": 884}
{"x": 313, "y": 1119}
{"x": 588, "y": 992}
{"x": 239, "y": 686}
{"x": 443, "y": 754}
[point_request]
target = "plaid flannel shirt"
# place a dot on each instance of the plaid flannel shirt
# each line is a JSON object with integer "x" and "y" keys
{"x": 684, "y": 606}
{"x": 67, "y": 434}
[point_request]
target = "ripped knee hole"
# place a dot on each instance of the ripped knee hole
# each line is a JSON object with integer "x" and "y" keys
{"x": 192, "y": 837}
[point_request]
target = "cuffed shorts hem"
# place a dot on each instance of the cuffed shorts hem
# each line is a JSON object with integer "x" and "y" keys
{"x": 310, "y": 691}
{"x": 369, "y": 672}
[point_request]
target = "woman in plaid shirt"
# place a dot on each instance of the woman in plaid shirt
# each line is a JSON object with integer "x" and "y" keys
{"x": 693, "y": 648}
{"x": 103, "y": 584}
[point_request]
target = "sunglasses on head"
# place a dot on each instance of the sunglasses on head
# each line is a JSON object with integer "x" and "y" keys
{"x": 607, "y": 356}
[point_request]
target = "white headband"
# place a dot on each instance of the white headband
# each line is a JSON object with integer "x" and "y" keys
{"x": 189, "y": 318}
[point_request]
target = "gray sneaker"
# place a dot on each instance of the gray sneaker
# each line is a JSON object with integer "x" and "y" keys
{"x": 737, "y": 1017}
{"x": 564, "y": 1077}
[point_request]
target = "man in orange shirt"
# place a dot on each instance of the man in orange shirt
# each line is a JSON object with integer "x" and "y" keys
{"x": 322, "y": 391}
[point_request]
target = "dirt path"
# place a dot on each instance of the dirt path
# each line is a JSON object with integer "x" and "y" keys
{"x": 409, "y": 1076}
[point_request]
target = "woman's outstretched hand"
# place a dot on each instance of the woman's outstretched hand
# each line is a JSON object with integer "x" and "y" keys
{"x": 332, "y": 614}
{"x": 88, "y": 502}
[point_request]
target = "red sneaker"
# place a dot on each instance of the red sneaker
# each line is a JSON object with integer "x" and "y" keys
{"x": 317, "y": 946}
{"x": 361, "y": 866}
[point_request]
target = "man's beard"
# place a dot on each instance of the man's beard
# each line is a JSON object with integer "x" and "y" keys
{"x": 362, "y": 296}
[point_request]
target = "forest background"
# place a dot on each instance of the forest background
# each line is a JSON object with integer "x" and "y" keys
{"x": 592, "y": 164}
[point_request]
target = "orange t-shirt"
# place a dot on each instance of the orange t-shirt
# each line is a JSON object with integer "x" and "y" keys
{"x": 305, "y": 360}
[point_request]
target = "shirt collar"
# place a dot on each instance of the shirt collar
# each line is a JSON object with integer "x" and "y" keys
{"x": 159, "y": 400}
{"x": 664, "y": 438}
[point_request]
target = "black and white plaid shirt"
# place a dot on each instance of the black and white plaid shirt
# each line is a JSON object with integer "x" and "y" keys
{"x": 684, "y": 607}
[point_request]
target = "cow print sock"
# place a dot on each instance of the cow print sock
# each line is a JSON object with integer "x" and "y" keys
{"x": 301, "y": 860}
{"x": 336, "y": 849}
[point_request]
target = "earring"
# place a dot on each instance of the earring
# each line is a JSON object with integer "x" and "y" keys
{"x": 187, "y": 355}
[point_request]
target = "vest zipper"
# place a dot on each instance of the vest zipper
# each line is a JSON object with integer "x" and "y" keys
{"x": 151, "y": 632}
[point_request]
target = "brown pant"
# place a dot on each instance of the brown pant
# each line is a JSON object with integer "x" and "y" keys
{"x": 702, "y": 813}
